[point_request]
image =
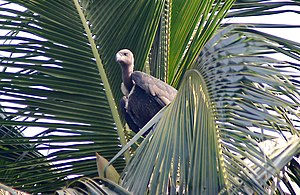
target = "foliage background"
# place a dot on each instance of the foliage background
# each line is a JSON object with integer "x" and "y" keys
{"x": 59, "y": 74}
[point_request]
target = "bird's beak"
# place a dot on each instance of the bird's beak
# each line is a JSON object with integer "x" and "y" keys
{"x": 118, "y": 57}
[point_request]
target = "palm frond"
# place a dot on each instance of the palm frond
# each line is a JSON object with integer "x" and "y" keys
{"x": 243, "y": 8}
{"x": 8, "y": 190}
{"x": 231, "y": 102}
{"x": 259, "y": 14}
{"x": 179, "y": 147}
{"x": 192, "y": 25}
{"x": 59, "y": 82}
{"x": 159, "y": 54}
{"x": 92, "y": 186}
{"x": 50, "y": 79}
{"x": 256, "y": 98}
{"x": 123, "y": 24}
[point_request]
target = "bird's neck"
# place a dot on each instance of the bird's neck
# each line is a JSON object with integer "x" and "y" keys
{"x": 126, "y": 77}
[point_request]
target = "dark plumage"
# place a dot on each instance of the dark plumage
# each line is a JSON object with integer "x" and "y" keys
{"x": 144, "y": 95}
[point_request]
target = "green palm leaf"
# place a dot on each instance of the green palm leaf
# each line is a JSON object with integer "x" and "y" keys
{"x": 122, "y": 24}
{"x": 243, "y": 8}
{"x": 93, "y": 186}
{"x": 212, "y": 137}
{"x": 59, "y": 82}
{"x": 56, "y": 86}
{"x": 51, "y": 81}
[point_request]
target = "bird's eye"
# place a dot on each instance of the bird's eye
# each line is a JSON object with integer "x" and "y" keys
{"x": 125, "y": 54}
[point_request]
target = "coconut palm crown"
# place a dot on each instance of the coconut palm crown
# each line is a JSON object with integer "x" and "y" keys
{"x": 233, "y": 126}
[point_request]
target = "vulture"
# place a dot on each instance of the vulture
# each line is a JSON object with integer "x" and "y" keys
{"x": 144, "y": 95}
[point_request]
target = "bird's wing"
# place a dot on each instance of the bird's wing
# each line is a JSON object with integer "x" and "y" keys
{"x": 161, "y": 91}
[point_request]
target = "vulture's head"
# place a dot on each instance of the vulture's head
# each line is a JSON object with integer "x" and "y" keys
{"x": 125, "y": 58}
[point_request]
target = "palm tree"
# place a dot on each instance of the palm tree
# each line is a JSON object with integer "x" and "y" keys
{"x": 233, "y": 126}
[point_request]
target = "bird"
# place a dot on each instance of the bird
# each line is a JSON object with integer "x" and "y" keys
{"x": 144, "y": 95}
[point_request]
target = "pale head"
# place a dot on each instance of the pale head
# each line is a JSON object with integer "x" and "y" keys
{"x": 125, "y": 57}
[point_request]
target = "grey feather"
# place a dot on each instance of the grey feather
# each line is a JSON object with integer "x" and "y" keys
{"x": 161, "y": 91}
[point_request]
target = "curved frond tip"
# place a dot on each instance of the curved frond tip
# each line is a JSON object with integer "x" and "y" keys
{"x": 256, "y": 99}
{"x": 232, "y": 103}
{"x": 183, "y": 145}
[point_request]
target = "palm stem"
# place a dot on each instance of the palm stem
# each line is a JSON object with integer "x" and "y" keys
{"x": 104, "y": 79}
